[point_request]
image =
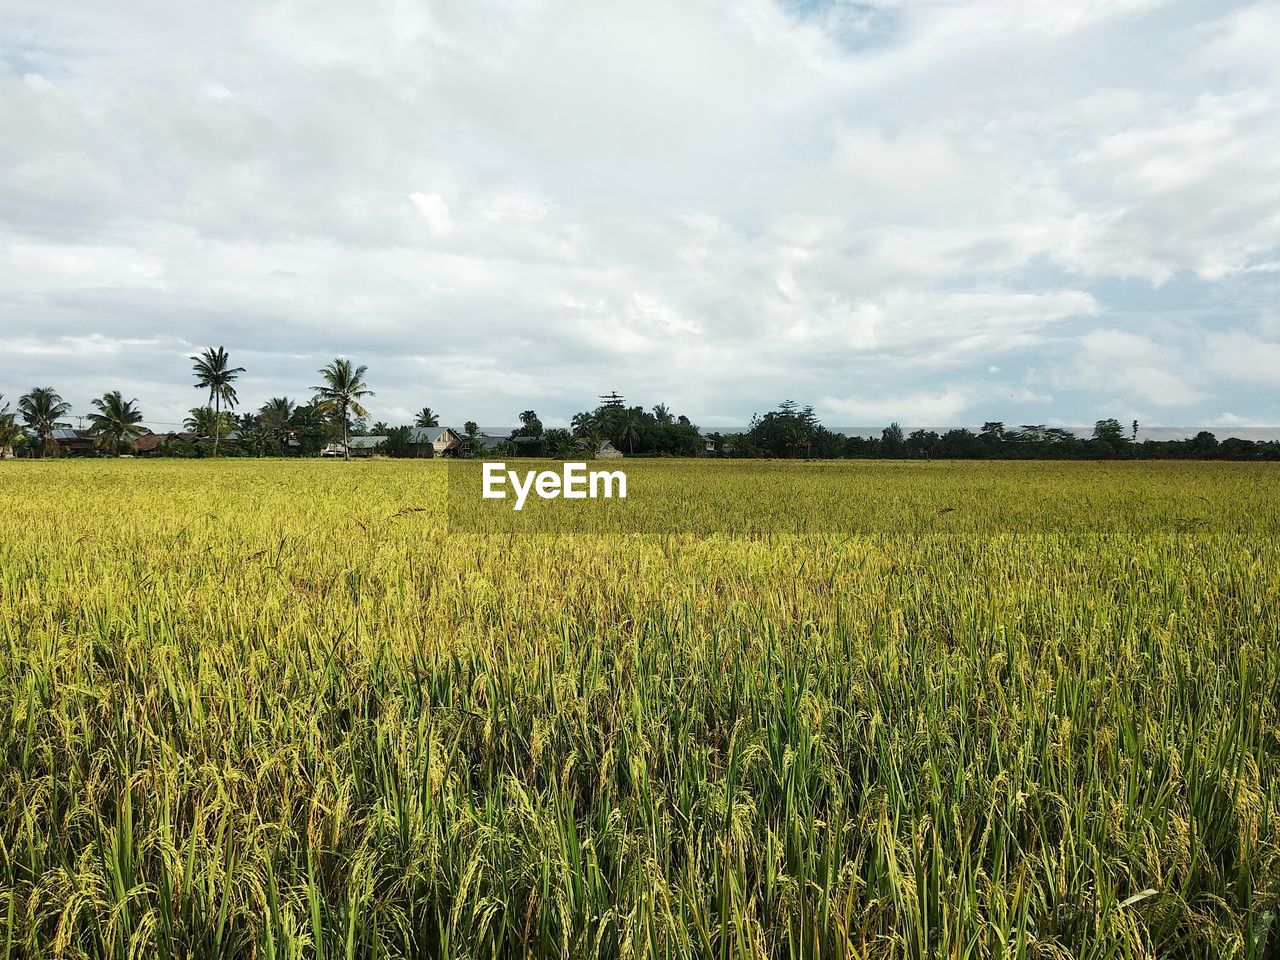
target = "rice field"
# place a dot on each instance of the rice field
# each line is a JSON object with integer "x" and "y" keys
{"x": 282, "y": 709}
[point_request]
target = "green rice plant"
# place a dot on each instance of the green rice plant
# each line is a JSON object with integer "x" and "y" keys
{"x": 296, "y": 709}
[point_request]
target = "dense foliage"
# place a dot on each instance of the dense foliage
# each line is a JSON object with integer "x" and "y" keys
{"x": 792, "y": 431}
{"x": 283, "y": 427}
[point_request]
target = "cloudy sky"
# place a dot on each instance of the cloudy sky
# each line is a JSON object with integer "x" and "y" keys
{"x": 936, "y": 211}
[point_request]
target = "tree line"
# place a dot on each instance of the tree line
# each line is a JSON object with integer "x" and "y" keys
{"x": 335, "y": 412}
{"x": 116, "y": 424}
{"x": 793, "y": 431}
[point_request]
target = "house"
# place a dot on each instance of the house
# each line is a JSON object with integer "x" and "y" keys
{"x": 356, "y": 447}
{"x": 488, "y": 442}
{"x": 155, "y": 444}
{"x": 608, "y": 451}
{"x": 74, "y": 443}
{"x": 436, "y": 442}
{"x": 148, "y": 445}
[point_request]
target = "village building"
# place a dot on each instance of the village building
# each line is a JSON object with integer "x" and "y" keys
{"x": 74, "y": 443}
{"x": 436, "y": 442}
{"x": 489, "y": 443}
{"x": 356, "y": 447}
{"x": 148, "y": 445}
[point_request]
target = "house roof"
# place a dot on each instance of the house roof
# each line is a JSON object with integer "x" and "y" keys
{"x": 63, "y": 434}
{"x": 364, "y": 443}
{"x": 425, "y": 434}
{"x": 487, "y": 441}
{"x": 428, "y": 434}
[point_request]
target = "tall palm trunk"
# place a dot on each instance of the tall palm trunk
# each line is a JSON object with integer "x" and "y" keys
{"x": 217, "y": 423}
{"x": 346, "y": 449}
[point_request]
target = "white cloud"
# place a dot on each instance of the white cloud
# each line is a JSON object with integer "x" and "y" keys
{"x": 914, "y": 409}
{"x": 1244, "y": 41}
{"x": 434, "y": 210}
{"x": 1131, "y": 365}
{"x": 713, "y": 204}
{"x": 1239, "y": 356}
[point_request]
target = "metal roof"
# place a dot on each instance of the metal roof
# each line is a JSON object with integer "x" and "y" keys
{"x": 364, "y": 443}
{"x": 425, "y": 434}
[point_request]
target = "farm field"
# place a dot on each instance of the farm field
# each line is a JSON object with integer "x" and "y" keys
{"x": 301, "y": 709}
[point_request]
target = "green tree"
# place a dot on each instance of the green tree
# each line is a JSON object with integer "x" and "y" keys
{"x": 992, "y": 436}
{"x": 1203, "y": 444}
{"x": 398, "y": 441}
{"x": 892, "y": 440}
{"x": 314, "y": 428}
{"x": 530, "y": 425}
{"x": 207, "y": 422}
{"x": 427, "y": 418}
{"x": 40, "y": 409}
{"x": 276, "y": 413}
{"x": 559, "y": 443}
{"x": 629, "y": 428}
{"x": 213, "y": 372}
{"x": 253, "y": 435}
{"x": 10, "y": 433}
{"x": 1108, "y": 431}
{"x": 590, "y": 440}
{"x": 341, "y": 393}
{"x": 117, "y": 421}
{"x": 1109, "y": 438}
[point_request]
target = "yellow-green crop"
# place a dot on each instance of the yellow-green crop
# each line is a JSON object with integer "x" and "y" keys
{"x": 285, "y": 709}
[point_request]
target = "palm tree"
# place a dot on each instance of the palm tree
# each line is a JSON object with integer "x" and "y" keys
{"x": 117, "y": 421}
{"x": 341, "y": 393}
{"x": 582, "y": 423}
{"x": 253, "y": 434}
{"x": 662, "y": 413}
{"x": 206, "y": 422}
{"x": 472, "y": 430}
{"x": 629, "y": 428}
{"x": 10, "y": 432}
{"x": 590, "y": 440}
{"x": 559, "y": 442}
{"x": 276, "y": 413}
{"x": 40, "y": 410}
{"x": 214, "y": 373}
{"x": 530, "y": 425}
{"x": 427, "y": 418}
